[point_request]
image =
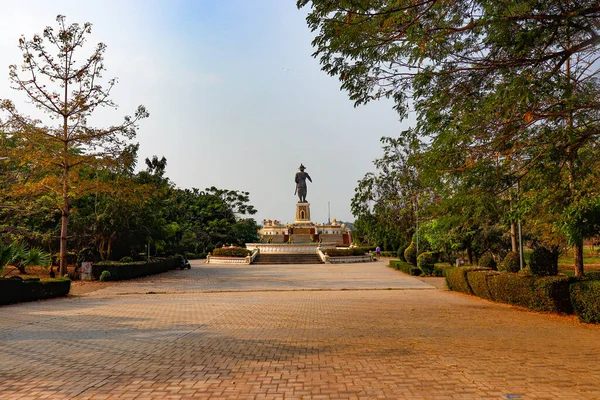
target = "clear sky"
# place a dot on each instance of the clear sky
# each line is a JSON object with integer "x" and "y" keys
{"x": 236, "y": 100}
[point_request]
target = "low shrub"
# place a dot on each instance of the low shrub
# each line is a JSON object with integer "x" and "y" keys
{"x": 20, "y": 290}
{"x": 543, "y": 262}
{"x": 552, "y": 294}
{"x": 592, "y": 276}
{"x": 126, "y": 259}
{"x": 478, "y": 283}
{"x": 410, "y": 254}
{"x": 426, "y": 262}
{"x": 105, "y": 276}
{"x": 231, "y": 252}
{"x": 585, "y": 298}
{"x": 136, "y": 269}
{"x": 456, "y": 279}
{"x": 438, "y": 271}
{"x": 512, "y": 288}
{"x": 195, "y": 256}
{"x": 487, "y": 261}
{"x": 355, "y": 251}
{"x": 511, "y": 263}
{"x": 389, "y": 254}
{"x": 400, "y": 254}
{"x": 405, "y": 267}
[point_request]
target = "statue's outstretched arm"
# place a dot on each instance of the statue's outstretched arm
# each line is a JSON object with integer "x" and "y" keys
{"x": 308, "y": 176}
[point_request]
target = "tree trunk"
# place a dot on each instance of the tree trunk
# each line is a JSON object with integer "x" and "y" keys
{"x": 63, "y": 242}
{"x": 578, "y": 257}
{"x": 470, "y": 255}
{"x": 513, "y": 237}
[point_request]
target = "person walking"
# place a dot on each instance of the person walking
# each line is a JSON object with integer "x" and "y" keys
{"x": 378, "y": 251}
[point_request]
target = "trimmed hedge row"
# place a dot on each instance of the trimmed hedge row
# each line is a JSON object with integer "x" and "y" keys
{"x": 122, "y": 271}
{"x": 20, "y": 290}
{"x": 405, "y": 267}
{"x": 355, "y": 251}
{"x": 559, "y": 294}
{"x": 231, "y": 252}
{"x": 585, "y": 298}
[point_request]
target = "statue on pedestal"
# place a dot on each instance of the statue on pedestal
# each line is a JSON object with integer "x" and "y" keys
{"x": 301, "y": 183}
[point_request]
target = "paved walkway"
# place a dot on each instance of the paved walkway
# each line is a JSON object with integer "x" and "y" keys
{"x": 306, "y": 332}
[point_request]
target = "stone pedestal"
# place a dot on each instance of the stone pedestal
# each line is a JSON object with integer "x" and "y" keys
{"x": 302, "y": 212}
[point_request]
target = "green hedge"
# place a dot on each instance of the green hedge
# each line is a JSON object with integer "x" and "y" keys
{"x": 355, "y": 251}
{"x": 405, "y": 267}
{"x": 122, "y": 271}
{"x": 456, "y": 278}
{"x": 478, "y": 283}
{"x": 231, "y": 252}
{"x": 17, "y": 290}
{"x": 585, "y": 297}
{"x": 538, "y": 293}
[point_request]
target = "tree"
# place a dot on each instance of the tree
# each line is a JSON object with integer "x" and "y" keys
{"x": 385, "y": 203}
{"x": 516, "y": 80}
{"x": 69, "y": 93}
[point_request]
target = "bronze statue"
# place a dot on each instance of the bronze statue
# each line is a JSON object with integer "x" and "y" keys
{"x": 301, "y": 183}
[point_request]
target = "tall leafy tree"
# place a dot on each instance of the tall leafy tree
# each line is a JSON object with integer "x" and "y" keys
{"x": 513, "y": 80}
{"x": 69, "y": 93}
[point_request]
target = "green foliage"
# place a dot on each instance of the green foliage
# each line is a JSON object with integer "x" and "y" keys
{"x": 487, "y": 261}
{"x": 585, "y": 297}
{"x": 105, "y": 276}
{"x": 19, "y": 290}
{"x": 507, "y": 122}
{"x": 354, "y": 251}
{"x": 121, "y": 271}
{"x": 405, "y": 267}
{"x": 426, "y": 262}
{"x": 410, "y": 254}
{"x": 400, "y": 253}
{"x": 512, "y": 289}
{"x": 511, "y": 263}
{"x": 231, "y": 252}
{"x": 543, "y": 262}
{"x": 126, "y": 259}
{"x": 478, "y": 283}
{"x": 456, "y": 279}
{"x": 552, "y": 294}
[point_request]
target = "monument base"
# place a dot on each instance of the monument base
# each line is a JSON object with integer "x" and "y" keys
{"x": 302, "y": 212}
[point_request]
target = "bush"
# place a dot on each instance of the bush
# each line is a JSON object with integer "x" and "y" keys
{"x": 592, "y": 276}
{"x": 478, "y": 283}
{"x": 585, "y": 298}
{"x": 136, "y": 269}
{"x": 438, "y": 271}
{"x": 126, "y": 259}
{"x": 456, "y": 279}
{"x": 401, "y": 252}
{"x": 231, "y": 252}
{"x": 511, "y": 263}
{"x": 105, "y": 276}
{"x": 487, "y": 261}
{"x": 552, "y": 294}
{"x": 512, "y": 289}
{"x": 543, "y": 262}
{"x": 355, "y": 251}
{"x": 19, "y": 290}
{"x": 410, "y": 254}
{"x": 405, "y": 267}
{"x": 426, "y": 262}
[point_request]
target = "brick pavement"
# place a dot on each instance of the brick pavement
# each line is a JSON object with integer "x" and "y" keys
{"x": 303, "y": 332}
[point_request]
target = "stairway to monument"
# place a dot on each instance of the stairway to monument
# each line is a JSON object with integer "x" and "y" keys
{"x": 287, "y": 259}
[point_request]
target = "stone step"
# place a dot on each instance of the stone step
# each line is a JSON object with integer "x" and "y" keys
{"x": 287, "y": 259}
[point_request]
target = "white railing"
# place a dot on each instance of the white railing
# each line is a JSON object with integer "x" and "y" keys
{"x": 254, "y": 255}
{"x": 324, "y": 257}
{"x": 228, "y": 260}
{"x": 289, "y": 248}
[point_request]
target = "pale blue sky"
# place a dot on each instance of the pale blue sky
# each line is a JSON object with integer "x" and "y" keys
{"x": 236, "y": 100}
